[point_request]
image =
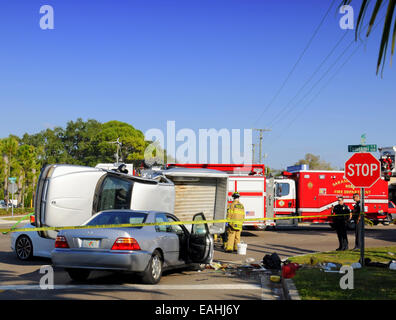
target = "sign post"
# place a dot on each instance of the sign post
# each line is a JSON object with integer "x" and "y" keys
{"x": 12, "y": 188}
{"x": 361, "y": 226}
{"x": 362, "y": 170}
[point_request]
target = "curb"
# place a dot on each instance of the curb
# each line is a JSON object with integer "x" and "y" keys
{"x": 289, "y": 290}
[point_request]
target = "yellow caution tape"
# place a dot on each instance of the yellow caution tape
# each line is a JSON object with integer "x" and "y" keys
{"x": 130, "y": 225}
{"x": 368, "y": 221}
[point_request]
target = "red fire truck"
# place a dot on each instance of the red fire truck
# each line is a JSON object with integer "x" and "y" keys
{"x": 298, "y": 192}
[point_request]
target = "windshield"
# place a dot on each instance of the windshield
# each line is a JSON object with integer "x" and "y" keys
{"x": 117, "y": 217}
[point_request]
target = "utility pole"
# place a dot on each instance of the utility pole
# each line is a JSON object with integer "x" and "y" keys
{"x": 253, "y": 151}
{"x": 261, "y": 131}
{"x": 119, "y": 144}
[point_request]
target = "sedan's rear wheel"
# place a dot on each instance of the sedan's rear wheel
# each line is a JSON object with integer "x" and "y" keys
{"x": 153, "y": 272}
{"x": 24, "y": 248}
{"x": 78, "y": 274}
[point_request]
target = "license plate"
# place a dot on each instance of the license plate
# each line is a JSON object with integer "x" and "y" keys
{"x": 94, "y": 244}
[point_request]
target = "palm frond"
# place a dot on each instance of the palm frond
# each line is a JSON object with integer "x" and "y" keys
{"x": 373, "y": 16}
{"x": 386, "y": 32}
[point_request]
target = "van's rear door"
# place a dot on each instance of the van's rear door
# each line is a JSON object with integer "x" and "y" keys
{"x": 200, "y": 190}
{"x": 64, "y": 196}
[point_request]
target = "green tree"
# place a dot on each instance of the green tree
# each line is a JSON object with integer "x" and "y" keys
{"x": 132, "y": 140}
{"x": 314, "y": 162}
{"x": 80, "y": 141}
{"x": 50, "y": 146}
{"x": 9, "y": 149}
{"x": 27, "y": 158}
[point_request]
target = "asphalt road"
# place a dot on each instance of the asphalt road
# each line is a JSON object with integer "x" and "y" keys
{"x": 20, "y": 280}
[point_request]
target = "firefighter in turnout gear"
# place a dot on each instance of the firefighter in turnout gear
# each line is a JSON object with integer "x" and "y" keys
{"x": 235, "y": 211}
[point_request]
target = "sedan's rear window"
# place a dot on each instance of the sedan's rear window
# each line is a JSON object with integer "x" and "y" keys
{"x": 110, "y": 217}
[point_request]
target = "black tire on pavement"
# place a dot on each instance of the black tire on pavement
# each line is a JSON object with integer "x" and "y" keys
{"x": 153, "y": 272}
{"x": 388, "y": 220}
{"x": 78, "y": 274}
{"x": 24, "y": 248}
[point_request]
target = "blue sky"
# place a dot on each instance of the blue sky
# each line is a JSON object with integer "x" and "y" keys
{"x": 205, "y": 64}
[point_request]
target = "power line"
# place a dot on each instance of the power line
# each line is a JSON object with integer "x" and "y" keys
{"x": 296, "y": 63}
{"x": 307, "y": 81}
{"x": 313, "y": 74}
{"x": 326, "y": 84}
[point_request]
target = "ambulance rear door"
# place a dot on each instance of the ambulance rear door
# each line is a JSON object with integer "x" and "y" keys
{"x": 252, "y": 196}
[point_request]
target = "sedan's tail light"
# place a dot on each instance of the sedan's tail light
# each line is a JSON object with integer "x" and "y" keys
{"x": 125, "y": 244}
{"x": 61, "y": 242}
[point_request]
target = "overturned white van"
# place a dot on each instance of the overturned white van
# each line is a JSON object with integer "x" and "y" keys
{"x": 68, "y": 195}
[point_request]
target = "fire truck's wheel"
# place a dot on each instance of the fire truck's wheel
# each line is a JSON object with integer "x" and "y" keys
{"x": 332, "y": 226}
{"x": 388, "y": 220}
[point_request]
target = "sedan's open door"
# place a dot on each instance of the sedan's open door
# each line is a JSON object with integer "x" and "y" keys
{"x": 200, "y": 242}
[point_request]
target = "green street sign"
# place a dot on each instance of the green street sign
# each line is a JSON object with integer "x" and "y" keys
{"x": 12, "y": 179}
{"x": 362, "y": 148}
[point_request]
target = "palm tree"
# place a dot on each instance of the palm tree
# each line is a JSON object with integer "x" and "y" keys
{"x": 386, "y": 32}
{"x": 9, "y": 149}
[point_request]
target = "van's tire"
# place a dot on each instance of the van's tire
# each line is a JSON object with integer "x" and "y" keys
{"x": 24, "y": 248}
{"x": 79, "y": 275}
{"x": 153, "y": 272}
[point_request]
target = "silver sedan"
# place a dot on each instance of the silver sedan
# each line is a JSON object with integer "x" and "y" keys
{"x": 146, "y": 250}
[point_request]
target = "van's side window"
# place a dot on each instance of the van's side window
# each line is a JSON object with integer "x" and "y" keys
{"x": 115, "y": 194}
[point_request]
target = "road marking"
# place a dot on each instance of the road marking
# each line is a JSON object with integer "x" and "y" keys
{"x": 142, "y": 287}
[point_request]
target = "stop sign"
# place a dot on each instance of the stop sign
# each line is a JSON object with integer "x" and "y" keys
{"x": 362, "y": 170}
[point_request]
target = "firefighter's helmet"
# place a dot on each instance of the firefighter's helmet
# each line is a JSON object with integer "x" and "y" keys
{"x": 236, "y": 195}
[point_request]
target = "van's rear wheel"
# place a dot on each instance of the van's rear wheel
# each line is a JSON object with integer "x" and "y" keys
{"x": 78, "y": 274}
{"x": 153, "y": 272}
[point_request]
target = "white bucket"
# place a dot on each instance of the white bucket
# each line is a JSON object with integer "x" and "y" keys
{"x": 242, "y": 248}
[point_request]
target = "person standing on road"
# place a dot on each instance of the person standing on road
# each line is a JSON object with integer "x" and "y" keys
{"x": 355, "y": 215}
{"x": 235, "y": 211}
{"x": 341, "y": 212}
